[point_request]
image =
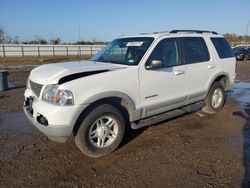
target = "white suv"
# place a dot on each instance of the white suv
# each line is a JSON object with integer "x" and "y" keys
{"x": 134, "y": 81}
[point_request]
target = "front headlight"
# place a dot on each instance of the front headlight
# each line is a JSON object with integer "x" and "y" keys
{"x": 56, "y": 96}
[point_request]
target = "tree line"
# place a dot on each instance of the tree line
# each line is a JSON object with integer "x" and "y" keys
{"x": 5, "y": 39}
{"x": 237, "y": 39}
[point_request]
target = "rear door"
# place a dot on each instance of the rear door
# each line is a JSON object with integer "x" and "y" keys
{"x": 199, "y": 67}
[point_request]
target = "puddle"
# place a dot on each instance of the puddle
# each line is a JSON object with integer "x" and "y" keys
{"x": 11, "y": 86}
{"x": 16, "y": 122}
{"x": 241, "y": 92}
{"x": 16, "y": 135}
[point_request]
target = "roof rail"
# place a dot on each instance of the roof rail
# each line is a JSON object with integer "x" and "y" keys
{"x": 193, "y": 31}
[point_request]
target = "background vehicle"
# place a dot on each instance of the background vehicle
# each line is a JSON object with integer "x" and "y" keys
{"x": 242, "y": 53}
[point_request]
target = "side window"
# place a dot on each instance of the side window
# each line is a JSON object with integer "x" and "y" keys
{"x": 222, "y": 47}
{"x": 195, "y": 50}
{"x": 166, "y": 51}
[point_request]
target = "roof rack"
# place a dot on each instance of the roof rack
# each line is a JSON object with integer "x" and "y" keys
{"x": 193, "y": 31}
{"x": 144, "y": 33}
{"x": 158, "y": 32}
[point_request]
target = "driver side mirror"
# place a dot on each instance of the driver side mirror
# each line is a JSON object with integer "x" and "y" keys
{"x": 155, "y": 64}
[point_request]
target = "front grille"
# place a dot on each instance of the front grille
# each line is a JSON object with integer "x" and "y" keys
{"x": 36, "y": 88}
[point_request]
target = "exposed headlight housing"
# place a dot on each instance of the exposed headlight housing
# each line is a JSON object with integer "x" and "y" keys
{"x": 58, "y": 97}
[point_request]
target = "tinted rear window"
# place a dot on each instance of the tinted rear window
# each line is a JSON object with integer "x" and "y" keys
{"x": 222, "y": 47}
{"x": 195, "y": 50}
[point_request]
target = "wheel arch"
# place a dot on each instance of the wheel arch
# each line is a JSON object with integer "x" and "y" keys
{"x": 222, "y": 78}
{"x": 120, "y": 100}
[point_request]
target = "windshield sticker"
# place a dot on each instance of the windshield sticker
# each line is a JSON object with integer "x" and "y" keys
{"x": 131, "y": 61}
{"x": 134, "y": 43}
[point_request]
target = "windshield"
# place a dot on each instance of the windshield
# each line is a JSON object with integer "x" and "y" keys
{"x": 126, "y": 51}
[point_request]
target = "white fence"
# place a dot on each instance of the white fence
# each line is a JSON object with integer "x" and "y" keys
{"x": 21, "y": 50}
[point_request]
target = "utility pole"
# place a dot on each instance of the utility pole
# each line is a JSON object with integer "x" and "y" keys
{"x": 79, "y": 32}
{"x": 79, "y": 39}
{"x": 245, "y": 41}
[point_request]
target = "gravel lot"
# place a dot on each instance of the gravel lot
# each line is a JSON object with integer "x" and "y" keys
{"x": 195, "y": 150}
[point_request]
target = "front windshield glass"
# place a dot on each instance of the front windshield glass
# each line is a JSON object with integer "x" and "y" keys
{"x": 126, "y": 51}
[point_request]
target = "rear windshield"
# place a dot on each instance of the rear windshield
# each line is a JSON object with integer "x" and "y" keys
{"x": 222, "y": 47}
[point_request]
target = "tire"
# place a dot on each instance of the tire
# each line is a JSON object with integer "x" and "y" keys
{"x": 101, "y": 131}
{"x": 246, "y": 58}
{"x": 215, "y": 99}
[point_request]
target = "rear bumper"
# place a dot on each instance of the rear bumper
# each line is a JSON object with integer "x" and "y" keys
{"x": 232, "y": 82}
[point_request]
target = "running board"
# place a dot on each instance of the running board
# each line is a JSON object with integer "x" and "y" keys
{"x": 167, "y": 115}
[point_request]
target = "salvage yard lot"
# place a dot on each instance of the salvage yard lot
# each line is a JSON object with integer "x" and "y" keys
{"x": 195, "y": 150}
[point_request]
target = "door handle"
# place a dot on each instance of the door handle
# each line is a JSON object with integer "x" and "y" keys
{"x": 210, "y": 66}
{"x": 179, "y": 72}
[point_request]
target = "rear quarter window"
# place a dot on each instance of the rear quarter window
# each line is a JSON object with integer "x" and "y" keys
{"x": 222, "y": 47}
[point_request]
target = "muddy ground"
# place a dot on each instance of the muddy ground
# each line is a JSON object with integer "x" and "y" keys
{"x": 195, "y": 150}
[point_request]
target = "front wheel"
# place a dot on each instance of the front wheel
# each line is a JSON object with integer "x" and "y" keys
{"x": 215, "y": 99}
{"x": 101, "y": 131}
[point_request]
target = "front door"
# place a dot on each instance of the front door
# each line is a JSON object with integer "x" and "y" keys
{"x": 164, "y": 88}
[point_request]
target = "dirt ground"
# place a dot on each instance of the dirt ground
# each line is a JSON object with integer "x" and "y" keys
{"x": 195, "y": 150}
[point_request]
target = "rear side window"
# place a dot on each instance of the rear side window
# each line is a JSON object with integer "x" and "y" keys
{"x": 195, "y": 50}
{"x": 222, "y": 47}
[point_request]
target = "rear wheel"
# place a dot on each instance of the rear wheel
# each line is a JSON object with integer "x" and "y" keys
{"x": 101, "y": 131}
{"x": 215, "y": 99}
{"x": 246, "y": 58}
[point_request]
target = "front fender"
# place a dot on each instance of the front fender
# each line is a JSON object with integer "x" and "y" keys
{"x": 134, "y": 114}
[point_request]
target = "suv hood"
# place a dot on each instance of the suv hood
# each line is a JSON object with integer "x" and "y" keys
{"x": 52, "y": 73}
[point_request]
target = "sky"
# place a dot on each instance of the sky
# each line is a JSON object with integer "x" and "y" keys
{"x": 107, "y": 19}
